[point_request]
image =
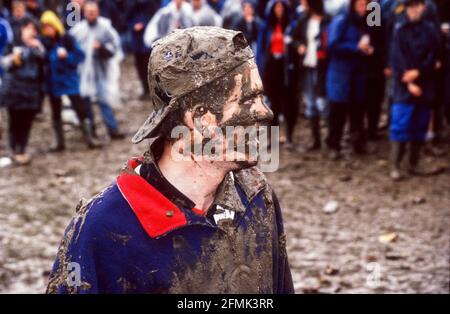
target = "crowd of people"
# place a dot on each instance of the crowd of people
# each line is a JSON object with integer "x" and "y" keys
{"x": 322, "y": 56}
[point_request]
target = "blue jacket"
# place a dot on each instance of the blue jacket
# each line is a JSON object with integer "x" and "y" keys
{"x": 414, "y": 46}
{"x": 346, "y": 77}
{"x": 62, "y": 74}
{"x": 141, "y": 235}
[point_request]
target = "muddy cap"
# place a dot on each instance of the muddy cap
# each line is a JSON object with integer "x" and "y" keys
{"x": 186, "y": 60}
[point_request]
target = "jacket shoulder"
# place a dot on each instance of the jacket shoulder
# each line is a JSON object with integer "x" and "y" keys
{"x": 105, "y": 212}
{"x": 338, "y": 20}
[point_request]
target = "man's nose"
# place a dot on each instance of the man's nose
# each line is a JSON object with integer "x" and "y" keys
{"x": 261, "y": 109}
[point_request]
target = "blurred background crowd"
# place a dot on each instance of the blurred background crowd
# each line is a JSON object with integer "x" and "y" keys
{"x": 319, "y": 59}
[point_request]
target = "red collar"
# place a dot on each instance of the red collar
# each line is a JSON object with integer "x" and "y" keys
{"x": 157, "y": 214}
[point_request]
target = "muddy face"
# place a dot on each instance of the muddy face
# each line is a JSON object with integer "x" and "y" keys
{"x": 226, "y": 124}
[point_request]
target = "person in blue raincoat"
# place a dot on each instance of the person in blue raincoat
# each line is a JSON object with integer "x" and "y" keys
{"x": 349, "y": 46}
{"x": 414, "y": 55}
{"x": 63, "y": 57}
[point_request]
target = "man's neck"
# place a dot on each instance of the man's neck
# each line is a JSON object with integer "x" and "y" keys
{"x": 199, "y": 181}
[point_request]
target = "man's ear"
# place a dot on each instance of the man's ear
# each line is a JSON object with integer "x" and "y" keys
{"x": 188, "y": 119}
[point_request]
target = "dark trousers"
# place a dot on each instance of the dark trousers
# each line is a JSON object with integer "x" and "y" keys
{"x": 374, "y": 101}
{"x": 77, "y": 103}
{"x": 107, "y": 113}
{"x": 292, "y": 106}
{"x": 339, "y": 113}
{"x": 20, "y": 123}
{"x": 141, "y": 63}
{"x": 274, "y": 86}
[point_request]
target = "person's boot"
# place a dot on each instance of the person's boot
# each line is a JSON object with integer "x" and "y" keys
{"x": 315, "y": 133}
{"x": 89, "y": 138}
{"x": 59, "y": 137}
{"x": 21, "y": 158}
{"x": 397, "y": 153}
{"x": 414, "y": 156}
{"x": 116, "y": 134}
{"x": 93, "y": 129}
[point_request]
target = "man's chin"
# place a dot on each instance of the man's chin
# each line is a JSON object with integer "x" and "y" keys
{"x": 244, "y": 164}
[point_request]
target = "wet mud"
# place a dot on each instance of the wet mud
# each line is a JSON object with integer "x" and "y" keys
{"x": 382, "y": 237}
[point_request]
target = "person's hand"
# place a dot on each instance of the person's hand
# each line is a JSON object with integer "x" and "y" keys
{"x": 32, "y": 42}
{"x": 415, "y": 90}
{"x": 410, "y": 76}
{"x": 138, "y": 27}
{"x": 15, "y": 58}
{"x": 369, "y": 51}
{"x": 62, "y": 53}
{"x": 97, "y": 45}
{"x": 301, "y": 50}
{"x": 387, "y": 72}
{"x": 438, "y": 65}
{"x": 364, "y": 44}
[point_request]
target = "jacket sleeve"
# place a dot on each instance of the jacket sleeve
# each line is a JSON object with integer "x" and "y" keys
{"x": 398, "y": 60}
{"x": 74, "y": 270}
{"x": 297, "y": 37}
{"x": 336, "y": 44}
{"x": 426, "y": 65}
{"x": 75, "y": 54}
{"x": 282, "y": 273}
{"x": 151, "y": 30}
{"x": 261, "y": 48}
{"x": 3, "y": 38}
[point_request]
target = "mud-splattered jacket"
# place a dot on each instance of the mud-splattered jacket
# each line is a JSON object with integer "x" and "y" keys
{"x": 141, "y": 235}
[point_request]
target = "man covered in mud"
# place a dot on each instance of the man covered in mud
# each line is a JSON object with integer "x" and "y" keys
{"x": 172, "y": 224}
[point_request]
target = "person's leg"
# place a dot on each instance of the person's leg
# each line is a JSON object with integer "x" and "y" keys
{"x": 418, "y": 128}
{"x": 414, "y": 157}
{"x": 110, "y": 120}
{"x": 274, "y": 83}
{"x": 311, "y": 109}
{"x": 26, "y": 118}
{"x": 90, "y": 114}
{"x": 292, "y": 105}
{"x": 56, "y": 106}
{"x": 13, "y": 129}
{"x": 79, "y": 107}
{"x": 399, "y": 135}
{"x": 31, "y": 114}
{"x": 375, "y": 96}
{"x": 336, "y": 123}
{"x": 397, "y": 153}
{"x": 291, "y": 111}
{"x": 141, "y": 63}
{"x": 357, "y": 127}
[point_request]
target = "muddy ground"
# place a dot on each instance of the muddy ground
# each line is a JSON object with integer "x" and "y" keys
{"x": 332, "y": 252}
